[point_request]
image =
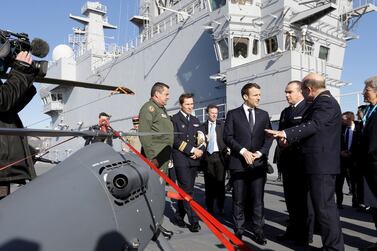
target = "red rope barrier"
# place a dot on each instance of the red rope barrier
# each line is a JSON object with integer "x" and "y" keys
{"x": 219, "y": 230}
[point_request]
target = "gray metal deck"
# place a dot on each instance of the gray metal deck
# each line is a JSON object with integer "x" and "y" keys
{"x": 358, "y": 228}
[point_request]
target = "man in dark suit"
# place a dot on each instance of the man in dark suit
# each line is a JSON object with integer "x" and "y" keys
{"x": 213, "y": 160}
{"x": 347, "y": 162}
{"x": 319, "y": 138}
{"x": 244, "y": 134}
{"x": 290, "y": 163}
{"x": 186, "y": 158}
{"x": 357, "y": 153}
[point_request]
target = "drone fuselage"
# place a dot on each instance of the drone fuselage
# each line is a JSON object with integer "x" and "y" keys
{"x": 97, "y": 199}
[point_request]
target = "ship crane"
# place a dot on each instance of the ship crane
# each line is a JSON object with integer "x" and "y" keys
{"x": 182, "y": 14}
{"x": 351, "y": 18}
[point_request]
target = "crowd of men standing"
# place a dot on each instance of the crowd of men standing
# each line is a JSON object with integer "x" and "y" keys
{"x": 319, "y": 147}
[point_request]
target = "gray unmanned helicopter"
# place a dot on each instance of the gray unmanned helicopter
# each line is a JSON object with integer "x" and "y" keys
{"x": 97, "y": 199}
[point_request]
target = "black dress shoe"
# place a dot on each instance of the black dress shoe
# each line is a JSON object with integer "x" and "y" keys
{"x": 180, "y": 223}
{"x": 260, "y": 239}
{"x": 195, "y": 227}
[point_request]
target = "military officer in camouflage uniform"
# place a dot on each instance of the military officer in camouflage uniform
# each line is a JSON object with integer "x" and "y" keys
{"x": 154, "y": 118}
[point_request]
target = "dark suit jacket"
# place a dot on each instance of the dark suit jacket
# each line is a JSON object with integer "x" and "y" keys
{"x": 184, "y": 142}
{"x": 237, "y": 135}
{"x": 219, "y": 136}
{"x": 319, "y": 135}
{"x": 347, "y": 162}
{"x": 355, "y": 138}
{"x": 290, "y": 156}
{"x": 369, "y": 139}
{"x": 369, "y": 159}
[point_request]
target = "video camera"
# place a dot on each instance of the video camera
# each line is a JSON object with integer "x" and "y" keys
{"x": 13, "y": 43}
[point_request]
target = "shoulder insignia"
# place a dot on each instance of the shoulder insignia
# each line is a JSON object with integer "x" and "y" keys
{"x": 182, "y": 146}
{"x": 151, "y": 108}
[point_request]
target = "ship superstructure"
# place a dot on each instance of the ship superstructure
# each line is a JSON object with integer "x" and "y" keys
{"x": 208, "y": 47}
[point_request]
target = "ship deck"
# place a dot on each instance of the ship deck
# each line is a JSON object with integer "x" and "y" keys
{"x": 358, "y": 228}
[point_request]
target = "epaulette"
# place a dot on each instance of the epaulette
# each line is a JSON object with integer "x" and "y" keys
{"x": 182, "y": 146}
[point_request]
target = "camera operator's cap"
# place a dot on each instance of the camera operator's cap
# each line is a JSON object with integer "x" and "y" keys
{"x": 104, "y": 114}
{"x": 135, "y": 120}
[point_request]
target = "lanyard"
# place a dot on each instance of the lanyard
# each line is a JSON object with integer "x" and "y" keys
{"x": 368, "y": 113}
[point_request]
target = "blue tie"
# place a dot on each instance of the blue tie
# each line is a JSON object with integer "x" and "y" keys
{"x": 211, "y": 143}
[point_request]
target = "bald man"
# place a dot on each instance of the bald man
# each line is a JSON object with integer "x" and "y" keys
{"x": 319, "y": 139}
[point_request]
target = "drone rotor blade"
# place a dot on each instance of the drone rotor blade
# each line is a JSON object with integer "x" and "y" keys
{"x": 48, "y": 133}
{"x": 81, "y": 84}
{"x": 60, "y": 133}
{"x": 145, "y": 133}
{"x": 72, "y": 83}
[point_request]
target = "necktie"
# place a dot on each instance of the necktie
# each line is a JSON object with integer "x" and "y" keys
{"x": 290, "y": 112}
{"x": 348, "y": 138}
{"x": 188, "y": 117}
{"x": 251, "y": 120}
{"x": 211, "y": 140}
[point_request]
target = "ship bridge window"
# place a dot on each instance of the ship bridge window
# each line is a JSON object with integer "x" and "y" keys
{"x": 216, "y": 4}
{"x": 240, "y": 47}
{"x": 307, "y": 47}
{"x": 243, "y": 2}
{"x": 271, "y": 44}
{"x": 44, "y": 100}
{"x": 323, "y": 52}
{"x": 223, "y": 48}
{"x": 56, "y": 97}
{"x": 290, "y": 42}
{"x": 255, "y": 47}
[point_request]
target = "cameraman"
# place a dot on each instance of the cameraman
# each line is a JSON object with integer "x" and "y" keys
{"x": 104, "y": 126}
{"x": 15, "y": 94}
